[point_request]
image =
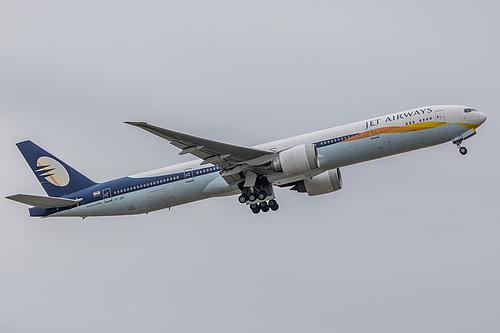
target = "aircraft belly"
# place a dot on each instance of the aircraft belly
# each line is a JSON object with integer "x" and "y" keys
{"x": 98, "y": 208}
{"x": 361, "y": 150}
{"x": 159, "y": 197}
{"x": 184, "y": 192}
{"x": 181, "y": 192}
{"x": 151, "y": 199}
{"x": 124, "y": 204}
{"x": 387, "y": 144}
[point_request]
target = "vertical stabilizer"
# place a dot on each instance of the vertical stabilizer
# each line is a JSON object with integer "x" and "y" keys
{"x": 56, "y": 177}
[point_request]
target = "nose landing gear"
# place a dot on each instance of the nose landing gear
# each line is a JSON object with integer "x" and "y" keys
{"x": 461, "y": 149}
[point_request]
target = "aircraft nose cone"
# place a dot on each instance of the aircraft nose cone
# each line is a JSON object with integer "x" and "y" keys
{"x": 482, "y": 118}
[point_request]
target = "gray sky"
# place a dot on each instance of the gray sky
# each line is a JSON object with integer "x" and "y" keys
{"x": 410, "y": 244}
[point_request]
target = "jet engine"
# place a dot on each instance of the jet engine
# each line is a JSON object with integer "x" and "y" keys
{"x": 326, "y": 182}
{"x": 297, "y": 160}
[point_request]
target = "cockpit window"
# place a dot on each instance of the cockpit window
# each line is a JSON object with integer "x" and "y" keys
{"x": 469, "y": 110}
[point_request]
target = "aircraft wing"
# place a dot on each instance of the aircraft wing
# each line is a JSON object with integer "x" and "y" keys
{"x": 225, "y": 155}
{"x": 43, "y": 202}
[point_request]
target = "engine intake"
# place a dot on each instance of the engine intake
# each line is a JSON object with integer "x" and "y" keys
{"x": 297, "y": 160}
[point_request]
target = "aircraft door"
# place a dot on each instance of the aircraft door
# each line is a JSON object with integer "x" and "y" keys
{"x": 188, "y": 175}
{"x": 440, "y": 116}
{"x": 106, "y": 194}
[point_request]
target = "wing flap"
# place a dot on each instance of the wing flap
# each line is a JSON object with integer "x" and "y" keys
{"x": 43, "y": 202}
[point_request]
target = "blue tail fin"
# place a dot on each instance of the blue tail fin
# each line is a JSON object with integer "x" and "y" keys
{"x": 56, "y": 177}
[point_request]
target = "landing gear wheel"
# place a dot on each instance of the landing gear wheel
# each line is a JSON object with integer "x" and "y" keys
{"x": 264, "y": 206}
{"x": 252, "y": 197}
{"x": 243, "y": 198}
{"x": 274, "y": 205}
{"x": 262, "y": 195}
{"x": 255, "y": 208}
{"x": 463, "y": 150}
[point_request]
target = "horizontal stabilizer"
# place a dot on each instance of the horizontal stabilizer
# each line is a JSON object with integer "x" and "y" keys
{"x": 43, "y": 202}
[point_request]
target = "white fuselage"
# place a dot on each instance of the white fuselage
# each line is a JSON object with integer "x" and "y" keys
{"x": 337, "y": 147}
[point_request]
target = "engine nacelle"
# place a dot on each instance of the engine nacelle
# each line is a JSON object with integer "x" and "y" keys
{"x": 326, "y": 182}
{"x": 297, "y": 160}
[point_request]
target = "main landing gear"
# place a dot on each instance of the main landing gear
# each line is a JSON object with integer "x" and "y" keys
{"x": 260, "y": 197}
{"x": 258, "y": 202}
{"x": 252, "y": 196}
{"x": 264, "y": 206}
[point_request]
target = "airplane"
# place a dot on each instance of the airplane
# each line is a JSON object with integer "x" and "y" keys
{"x": 308, "y": 163}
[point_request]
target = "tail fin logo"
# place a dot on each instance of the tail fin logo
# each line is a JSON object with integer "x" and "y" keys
{"x": 53, "y": 171}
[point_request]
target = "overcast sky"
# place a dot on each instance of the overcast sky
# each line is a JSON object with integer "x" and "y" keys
{"x": 411, "y": 244}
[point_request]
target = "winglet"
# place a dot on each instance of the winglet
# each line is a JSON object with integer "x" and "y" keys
{"x": 136, "y": 123}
